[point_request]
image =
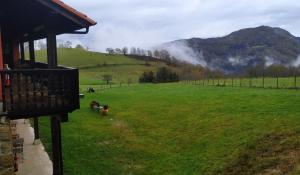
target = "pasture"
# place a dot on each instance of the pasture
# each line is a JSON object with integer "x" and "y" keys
{"x": 183, "y": 129}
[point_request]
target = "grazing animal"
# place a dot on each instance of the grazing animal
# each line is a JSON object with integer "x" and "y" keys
{"x": 94, "y": 105}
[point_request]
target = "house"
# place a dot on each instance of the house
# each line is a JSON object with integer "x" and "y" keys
{"x": 29, "y": 89}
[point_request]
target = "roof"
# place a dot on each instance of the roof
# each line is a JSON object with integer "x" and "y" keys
{"x": 74, "y": 11}
{"x": 33, "y": 19}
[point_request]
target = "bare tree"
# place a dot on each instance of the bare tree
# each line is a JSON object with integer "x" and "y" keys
{"x": 107, "y": 78}
{"x": 125, "y": 50}
{"x": 118, "y": 51}
{"x": 110, "y": 51}
{"x": 133, "y": 51}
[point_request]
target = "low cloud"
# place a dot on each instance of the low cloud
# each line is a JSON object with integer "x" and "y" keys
{"x": 296, "y": 63}
{"x": 181, "y": 51}
{"x": 269, "y": 61}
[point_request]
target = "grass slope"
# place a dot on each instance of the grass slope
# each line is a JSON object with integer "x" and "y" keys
{"x": 93, "y": 65}
{"x": 183, "y": 129}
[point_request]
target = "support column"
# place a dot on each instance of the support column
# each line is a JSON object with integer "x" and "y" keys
{"x": 1, "y": 63}
{"x": 16, "y": 53}
{"x": 22, "y": 52}
{"x": 36, "y": 131}
{"x": 31, "y": 52}
{"x": 55, "y": 119}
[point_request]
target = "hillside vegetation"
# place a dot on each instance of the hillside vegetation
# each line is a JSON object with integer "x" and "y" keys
{"x": 245, "y": 48}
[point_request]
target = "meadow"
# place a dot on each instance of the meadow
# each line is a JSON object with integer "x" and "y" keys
{"x": 183, "y": 129}
{"x": 196, "y": 127}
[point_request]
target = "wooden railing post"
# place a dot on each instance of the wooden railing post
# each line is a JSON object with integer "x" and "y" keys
{"x": 55, "y": 119}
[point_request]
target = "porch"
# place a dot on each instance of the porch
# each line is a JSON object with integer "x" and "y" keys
{"x": 33, "y": 90}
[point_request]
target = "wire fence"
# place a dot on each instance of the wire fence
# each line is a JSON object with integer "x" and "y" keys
{"x": 104, "y": 87}
{"x": 254, "y": 82}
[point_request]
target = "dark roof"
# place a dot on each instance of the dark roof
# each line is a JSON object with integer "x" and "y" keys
{"x": 75, "y": 12}
{"x": 32, "y": 19}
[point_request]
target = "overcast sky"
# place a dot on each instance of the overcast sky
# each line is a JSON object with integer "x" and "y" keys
{"x": 146, "y": 23}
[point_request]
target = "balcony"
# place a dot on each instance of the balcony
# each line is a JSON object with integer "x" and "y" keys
{"x": 34, "y": 91}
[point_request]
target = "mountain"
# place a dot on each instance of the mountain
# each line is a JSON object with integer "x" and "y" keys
{"x": 244, "y": 48}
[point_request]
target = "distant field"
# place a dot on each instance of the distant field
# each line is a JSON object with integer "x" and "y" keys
{"x": 94, "y": 65}
{"x": 81, "y": 59}
{"x": 183, "y": 129}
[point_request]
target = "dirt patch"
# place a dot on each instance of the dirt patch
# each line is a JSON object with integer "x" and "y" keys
{"x": 273, "y": 154}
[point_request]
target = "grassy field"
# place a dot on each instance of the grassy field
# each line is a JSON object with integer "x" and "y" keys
{"x": 93, "y": 65}
{"x": 183, "y": 129}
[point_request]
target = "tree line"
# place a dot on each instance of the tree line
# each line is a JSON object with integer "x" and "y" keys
{"x": 163, "y": 75}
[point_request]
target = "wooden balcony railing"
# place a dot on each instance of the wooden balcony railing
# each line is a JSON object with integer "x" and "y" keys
{"x": 37, "y": 92}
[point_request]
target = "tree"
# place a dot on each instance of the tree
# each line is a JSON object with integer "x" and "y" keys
{"x": 42, "y": 45}
{"x": 107, "y": 78}
{"x": 156, "y": 54}
{"x": 125, "y": 50}
{"x": 80, "y": 47}
{"x": 147, "y": 77}
{"x": 68, "y": 44}
{"x": 118, "y": 51}
{"x": 110, "y": 50}
{"x": 133, "y": 51}
{"x": 138, "y": 51}
{"x": 149, "y": 52}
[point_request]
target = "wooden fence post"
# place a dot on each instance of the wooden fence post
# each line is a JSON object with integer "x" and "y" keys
{"x": 295, "y": 81}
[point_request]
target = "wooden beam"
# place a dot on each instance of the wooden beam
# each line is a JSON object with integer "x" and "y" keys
{"x": 22, "y": 52}
{"x": 55, "y": 119}
{"x": 36, "y": 128}
{"x": 1, "y": 63}
{"x": 51, "y": 50}
{"x": 31, "y": 52}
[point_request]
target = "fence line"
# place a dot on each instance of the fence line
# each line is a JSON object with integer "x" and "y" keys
{"x": 252, "y": 82}
{"x": 99, "y": 88}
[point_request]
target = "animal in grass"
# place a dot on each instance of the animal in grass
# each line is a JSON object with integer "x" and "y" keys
{"x": 94, "y": 105}
{"x": 90, "y": 90}
{"x": 104, "y": 110}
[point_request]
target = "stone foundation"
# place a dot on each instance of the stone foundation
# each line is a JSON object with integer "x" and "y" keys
{"x": 6, "y": 155}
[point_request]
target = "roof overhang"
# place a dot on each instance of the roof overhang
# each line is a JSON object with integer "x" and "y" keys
{"x": 33, "y": 19}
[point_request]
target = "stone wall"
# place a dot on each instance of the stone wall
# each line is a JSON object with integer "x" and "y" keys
{"x": 6, "y": 155}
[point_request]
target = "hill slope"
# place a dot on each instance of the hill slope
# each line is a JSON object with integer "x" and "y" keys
{"x": 94, "y": 65}
{"x": 247, "y": 47}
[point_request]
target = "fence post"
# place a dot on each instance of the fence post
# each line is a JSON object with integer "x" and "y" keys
{"x": 232, "y": 81}
{"x": 240, "y": 82}
{"x": 277, "y": 83}
{"x": 295, "y": 81}
{"x": 263, "y": 81}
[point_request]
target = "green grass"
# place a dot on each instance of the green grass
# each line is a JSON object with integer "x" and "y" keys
{"x": 81, "y": 59}
{"x": 182, "y": 129}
